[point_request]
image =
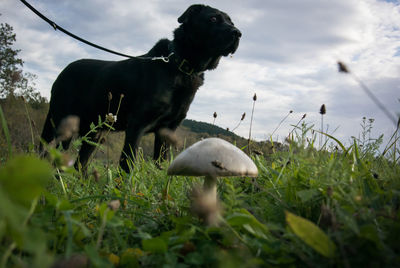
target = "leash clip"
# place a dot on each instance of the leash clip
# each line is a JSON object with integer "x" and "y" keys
{"x": 164, "y": 59}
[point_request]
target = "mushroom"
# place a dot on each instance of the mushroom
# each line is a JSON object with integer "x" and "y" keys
{"x": 211, "y": 158}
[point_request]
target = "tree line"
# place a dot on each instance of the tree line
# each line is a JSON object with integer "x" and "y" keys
{"x": 14, "y": 81}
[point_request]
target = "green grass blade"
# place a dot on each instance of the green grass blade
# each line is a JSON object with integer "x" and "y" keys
{"x": 390, "y": 146}
{"x": 333, "y": 138}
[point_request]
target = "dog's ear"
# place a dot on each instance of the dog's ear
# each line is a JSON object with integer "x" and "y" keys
{"x": 189, "y": 12}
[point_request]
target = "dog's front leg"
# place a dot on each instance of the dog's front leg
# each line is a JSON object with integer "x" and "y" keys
{"x": 129, "y": 151}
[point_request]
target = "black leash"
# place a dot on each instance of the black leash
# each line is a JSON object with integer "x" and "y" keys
{"x": 57, "y": 27}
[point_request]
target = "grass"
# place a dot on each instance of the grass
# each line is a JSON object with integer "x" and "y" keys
{"x": 307, "y": 208}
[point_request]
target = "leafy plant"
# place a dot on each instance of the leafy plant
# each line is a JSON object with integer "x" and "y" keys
{"x": 307, "y": 207}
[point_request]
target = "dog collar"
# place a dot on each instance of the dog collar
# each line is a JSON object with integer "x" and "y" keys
{"x": 185, "y": 67}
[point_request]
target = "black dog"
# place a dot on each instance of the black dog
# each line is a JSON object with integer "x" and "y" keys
{"x": 157, "y": 88}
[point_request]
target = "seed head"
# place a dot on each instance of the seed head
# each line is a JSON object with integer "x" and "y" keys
{"x": 342, "y": 67}
{"x": 291, "y": 111}
{"x": 255, "y": 97}
{"x": 322, "y": 110}
{"x": 304, "y": 116}
{"x": 243, "y": 116}
{"x": 215, "y": 115}
{"x": 109, "y": 96}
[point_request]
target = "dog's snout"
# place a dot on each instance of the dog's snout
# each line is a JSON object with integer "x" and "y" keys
{"x": 236, "y": 32}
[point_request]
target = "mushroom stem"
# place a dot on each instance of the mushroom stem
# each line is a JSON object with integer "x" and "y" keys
{"x": 209, "y": 201}
{"x": 210, "y": 186}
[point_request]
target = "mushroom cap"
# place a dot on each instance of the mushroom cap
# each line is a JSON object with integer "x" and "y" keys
{"x": 213, "y": 157}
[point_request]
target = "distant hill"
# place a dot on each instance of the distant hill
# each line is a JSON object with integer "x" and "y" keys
{"x": 202, "y": 127}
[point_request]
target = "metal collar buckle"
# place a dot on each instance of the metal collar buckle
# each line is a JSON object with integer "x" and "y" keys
{"x": 185, "y": 67}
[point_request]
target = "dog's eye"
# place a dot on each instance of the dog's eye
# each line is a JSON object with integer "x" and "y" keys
{"x": 213, "y": 19}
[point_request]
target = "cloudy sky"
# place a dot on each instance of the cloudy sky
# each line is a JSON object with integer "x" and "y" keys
{"x": 287, "y": 56}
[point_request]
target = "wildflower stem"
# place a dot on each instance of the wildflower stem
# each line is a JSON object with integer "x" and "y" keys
{"x": 62, "y": 183}
{"x": 30, "y": 123}
{"x": 322, "y": 130}
{"x": 390, "y": 144}
{"x": 119, "y": 104}
{"x": 322, "y": 111}
{"x": 375, "y": 99}
{"x": 296, "y": 126}
{"x": 251, "y": 122}
{"x": 6, "y": 131}
{"x": 343, "y": 68}
{"x": 215, "y": 117}
{"x": 241, "y": 119}
{"x": 280, "y": 123}
{"x": 395, "y": 144}
{"x": 101, "y": 137}
{"x": 102, "y": 228}
{"x": 236, "y": 126}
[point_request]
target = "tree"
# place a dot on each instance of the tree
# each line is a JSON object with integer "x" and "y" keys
{"x": 13, "y": 80}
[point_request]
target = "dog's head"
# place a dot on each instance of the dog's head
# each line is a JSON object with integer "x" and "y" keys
{"x": 208, "y": 31}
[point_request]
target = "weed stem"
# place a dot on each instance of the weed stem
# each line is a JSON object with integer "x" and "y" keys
{"x": 251, "y": 122}
{"x": 6, "y": 131}
{"x": 102, "y": 228}
{"x": 280, "y": 123}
